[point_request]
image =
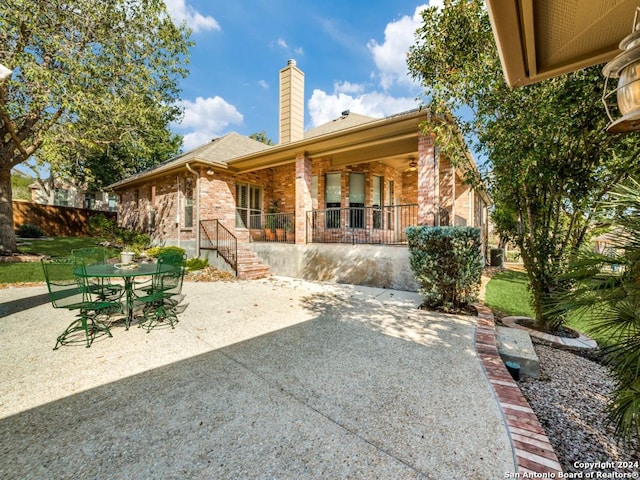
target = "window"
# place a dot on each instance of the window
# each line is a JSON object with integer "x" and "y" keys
{"x": 248, "y": 205}
{"x": 113, "y": 202}
{"x": 90, "y": 201}
{"x": 61, "y": 197}
{"x": 333, "y": 195}
{"x": 378, "y": 184}
{"x": 188, "y": 202}
{"x": 356, "y": 200}
{"x": 391, "y": 201}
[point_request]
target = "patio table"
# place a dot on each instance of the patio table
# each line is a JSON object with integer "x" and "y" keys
{"x": 127, "y": 274}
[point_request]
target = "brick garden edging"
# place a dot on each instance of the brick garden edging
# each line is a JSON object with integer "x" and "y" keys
{"x": 533, "y": 451}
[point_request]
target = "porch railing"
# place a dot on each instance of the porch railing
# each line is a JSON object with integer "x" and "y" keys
{"x": 375, "y": 225}
{"x": 215, "y": 236}
{"x": 272, "y": 227}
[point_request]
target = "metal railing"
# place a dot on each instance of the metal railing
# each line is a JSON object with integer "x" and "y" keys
{"x": 215, "y": 236}
{"x": 374, "y": 225}
{"x": 272, "y": 227}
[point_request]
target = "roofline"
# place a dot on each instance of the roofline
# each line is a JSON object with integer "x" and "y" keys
{"x": 380, "y": 130}
{"x": 369, "y": 133}
{"x": 165, "y": 169}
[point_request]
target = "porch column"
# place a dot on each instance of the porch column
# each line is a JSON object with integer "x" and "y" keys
{"x": 303, "y": 195}
{"x": 427, "y": 199}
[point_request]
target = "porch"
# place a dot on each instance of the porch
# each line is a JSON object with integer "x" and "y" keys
{"x": 376, "y": 225}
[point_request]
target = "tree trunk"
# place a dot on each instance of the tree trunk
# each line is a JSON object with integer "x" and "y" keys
{"x": 7, "y": 234}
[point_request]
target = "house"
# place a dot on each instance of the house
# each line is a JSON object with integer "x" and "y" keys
{"x": 331, "y": 203}
{"x": 65, "y": 194}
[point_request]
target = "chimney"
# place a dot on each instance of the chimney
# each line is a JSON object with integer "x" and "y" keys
{"x": 291, "y": 103}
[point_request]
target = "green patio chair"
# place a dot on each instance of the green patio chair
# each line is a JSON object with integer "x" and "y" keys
{"x": 103, "y": 288}
{"x": 160, "y": 301}
{"x": 68, "y": 291}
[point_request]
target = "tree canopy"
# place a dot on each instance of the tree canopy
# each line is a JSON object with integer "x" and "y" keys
{"x": 93, "y": 89}
{"x": 551, "y": 160}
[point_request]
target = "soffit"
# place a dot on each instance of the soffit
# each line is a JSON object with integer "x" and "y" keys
{"x": 540, "y": 39}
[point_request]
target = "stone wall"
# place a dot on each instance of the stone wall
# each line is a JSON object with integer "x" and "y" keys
{"x": 382, "y": 266}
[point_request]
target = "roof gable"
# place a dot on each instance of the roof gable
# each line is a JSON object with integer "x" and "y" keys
{"x": 223, "y": 149}
{"x": 344, "y": 121}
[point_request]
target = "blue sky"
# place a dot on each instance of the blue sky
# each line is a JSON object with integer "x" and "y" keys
{"x": 352, "y": 53}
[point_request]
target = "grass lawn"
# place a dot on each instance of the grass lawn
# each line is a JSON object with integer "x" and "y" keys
{"x": 16, "y": 272}
{"x": 59, "y": 246}
{"x": 507, "y": 292}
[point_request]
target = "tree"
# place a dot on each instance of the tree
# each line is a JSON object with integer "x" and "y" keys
{"x": 606, "y": 292}
{"x": 261, "y": 137}
{"x": 550, "y": 159}
{"x": 94, "y": 86}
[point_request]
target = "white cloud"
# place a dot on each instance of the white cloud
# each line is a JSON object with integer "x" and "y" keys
{"x": 205, "y": 119}
{"x": 325, "y": 107}
{"x": 180, "y": 11}
{"x": 348, "y": 87}
{"x": 282, "y": 43}
{"x": 263, "y": 84}
{"x": 391, "y": 56}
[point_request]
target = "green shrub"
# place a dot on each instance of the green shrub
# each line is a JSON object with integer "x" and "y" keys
{"x": 102, "y": 226}
{"x": 447, "y": 263}
{"x": 29, "y": 230}
{"x": 107, "y": 228}
{"x": 154, "y": 252}
{"x": 197, "y": 263}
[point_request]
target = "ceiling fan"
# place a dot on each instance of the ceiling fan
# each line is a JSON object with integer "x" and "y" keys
{"x": 413, "y": 165}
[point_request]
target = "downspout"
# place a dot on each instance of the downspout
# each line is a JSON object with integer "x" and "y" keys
{"x": 178, "y": 207}
{"x": 195, "y": 174}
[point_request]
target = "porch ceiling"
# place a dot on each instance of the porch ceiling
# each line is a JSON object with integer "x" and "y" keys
{"x": 544, "y": 38}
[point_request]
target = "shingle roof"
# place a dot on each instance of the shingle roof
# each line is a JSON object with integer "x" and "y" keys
{"x": 346, "y": 120}
{"x": 223, "y": 149}
{"x": 220, "y": 151}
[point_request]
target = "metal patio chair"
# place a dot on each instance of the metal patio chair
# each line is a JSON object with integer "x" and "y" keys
{"x": 68, "y": 291}
{"x": 160, "y": 301}
{"x": 102, "y": 287}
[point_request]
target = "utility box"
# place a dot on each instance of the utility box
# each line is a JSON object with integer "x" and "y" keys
{"x": 496, "y": 257}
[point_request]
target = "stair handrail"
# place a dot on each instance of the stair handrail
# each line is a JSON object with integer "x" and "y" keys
{"x": 222, "y": 240}
{"x": 229, "y": 248}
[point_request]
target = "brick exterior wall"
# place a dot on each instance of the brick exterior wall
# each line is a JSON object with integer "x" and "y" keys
{"x": 445, "y": 184}
{"x": 426, "y": 180}
{"x": 462, "y": 203}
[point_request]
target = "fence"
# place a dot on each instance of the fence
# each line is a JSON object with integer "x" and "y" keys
{"x": 56, "y": 221}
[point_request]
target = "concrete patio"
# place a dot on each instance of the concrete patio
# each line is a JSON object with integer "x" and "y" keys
{"x": 276, "y": 378}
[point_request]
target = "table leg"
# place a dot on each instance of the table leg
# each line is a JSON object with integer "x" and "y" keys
{"x": 128, "y": 289}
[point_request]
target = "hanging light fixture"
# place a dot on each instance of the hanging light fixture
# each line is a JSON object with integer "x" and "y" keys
{"x": 626, "y": 67}
{"x": 413, "y": 165}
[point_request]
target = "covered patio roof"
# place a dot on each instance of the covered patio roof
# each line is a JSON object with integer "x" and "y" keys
{"x": 540, "y": 39}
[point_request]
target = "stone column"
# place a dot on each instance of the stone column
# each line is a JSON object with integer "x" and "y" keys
{"x": 303, "y": 195}
{"x": 427, "y": 198}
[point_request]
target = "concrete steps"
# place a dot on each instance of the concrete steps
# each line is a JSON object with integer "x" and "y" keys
{"x": 250, "y": 266}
